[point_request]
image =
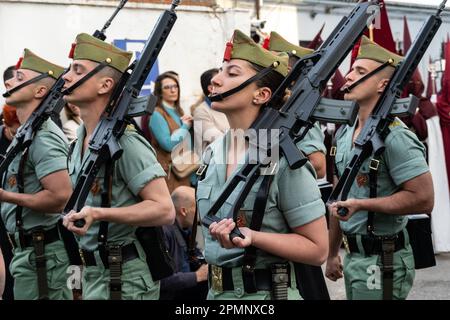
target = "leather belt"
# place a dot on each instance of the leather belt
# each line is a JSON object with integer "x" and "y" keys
{"x": 373, "y": 244}
{"x": 222, "y": 278}
{"x": 26, "y": 241}
{"x": 129, "y": 252}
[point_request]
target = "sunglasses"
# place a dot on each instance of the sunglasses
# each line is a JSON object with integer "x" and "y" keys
{"x": 171, "y": 86}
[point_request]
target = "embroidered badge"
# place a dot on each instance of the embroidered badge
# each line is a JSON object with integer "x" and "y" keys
{"x": 241, "y": 219}
{"x": 12, "y": 181}
{"x": 96, "y": 188}
{"x": 362, "y": 180}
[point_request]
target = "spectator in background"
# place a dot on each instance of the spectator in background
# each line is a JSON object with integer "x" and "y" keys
{"x": 168, "y": 126}
{"x": 73, "y": 122}
{"x": 188, "y": 281}
{"x": 209, "y": 124}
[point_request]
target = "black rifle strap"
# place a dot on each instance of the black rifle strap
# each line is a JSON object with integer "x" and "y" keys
{"x": 26, "y": 83}
{"x": 256, "y": 77}
{"x": 21, "y": 189}
{"x": 333, "y": 149}
{"x": 373, "y": 180}
{"x": 249, "y": 259}
{"x": 388, "y": 245}
{"x": 367, "y": 76}
{"x": 201, "y": 174}
{"x": 111, "y": 254}
{"x": 85, "y": 78}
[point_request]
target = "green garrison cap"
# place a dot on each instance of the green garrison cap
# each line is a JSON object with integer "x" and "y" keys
{"x": 33, "y": 62}
{"x": 279, "y": 44}
{"x": 370, "y": 50}
{"x": 242, "y": 47}
{"x": 87, "y": 47}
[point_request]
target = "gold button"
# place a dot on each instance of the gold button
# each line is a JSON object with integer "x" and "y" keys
{"x": 50, "y": 72}
{"x": 275, "y": 64}
{"x": 108, "y": 60}
{"x": 294, "y": 51}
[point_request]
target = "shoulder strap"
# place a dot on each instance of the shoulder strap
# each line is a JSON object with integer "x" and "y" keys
{"x": 106, "y": 203}
{"x": 21, "y": 189}
{"x": 249, "y": 259}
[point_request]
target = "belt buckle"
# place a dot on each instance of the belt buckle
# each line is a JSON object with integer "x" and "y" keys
{"x": 216, "y": 278}
{"x": 374, "y": 164}
{"x": 201, "y": 170}
{"x": 346, "y": 246}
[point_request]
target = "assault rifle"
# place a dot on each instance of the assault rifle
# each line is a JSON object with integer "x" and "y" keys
{"x": 301, "y": 110}
{"x": 52, "y": 104}
{"x": 370, "y": 141}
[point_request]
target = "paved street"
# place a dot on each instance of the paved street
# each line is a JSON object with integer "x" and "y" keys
{"x": 429, "y": 284}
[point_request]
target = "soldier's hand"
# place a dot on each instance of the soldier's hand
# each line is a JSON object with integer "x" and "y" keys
{"x": 1, "y": 194}
{"x": 334, "y": 268}
{"x": 87, "y": 213}
{"x": 202, "y": 273}
{"x": 221, "y": 232}
{"x": 352, "y": 205}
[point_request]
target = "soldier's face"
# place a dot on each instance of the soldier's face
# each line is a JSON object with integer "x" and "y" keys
{"x": 88, "y": 91}
{"x": 27, "y": 93}
{"x": 231, "y": 75}
{"x": 366, "y": 90}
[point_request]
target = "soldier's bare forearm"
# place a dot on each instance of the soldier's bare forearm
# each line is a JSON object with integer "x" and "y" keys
{"x": 335, "y": 236}
{"x": 43, "y": 201}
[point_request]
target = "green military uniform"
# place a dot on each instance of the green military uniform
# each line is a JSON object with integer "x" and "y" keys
{"x": 402, "y": 160}
{"x": 131, "y": 173}
{"x": 293, "y": 200}
{"x": 47, "y": 154}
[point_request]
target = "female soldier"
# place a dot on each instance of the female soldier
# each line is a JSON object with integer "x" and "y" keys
{"x": 293, "y": 228}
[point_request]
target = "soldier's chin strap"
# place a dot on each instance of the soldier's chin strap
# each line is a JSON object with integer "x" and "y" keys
{"x": 26, "y": 83}
{"x": 84, "y": 79}
{"x": 367, "y": 76}
{"x": 256, "y": 77}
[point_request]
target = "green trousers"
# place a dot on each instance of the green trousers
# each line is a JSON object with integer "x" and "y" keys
{"x": 364, "y": 278}
{"x": 137, "y": 282}
{"x": 23, "y": 269}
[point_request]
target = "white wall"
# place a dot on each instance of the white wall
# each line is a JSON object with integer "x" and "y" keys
{"x": 195, "y": 44}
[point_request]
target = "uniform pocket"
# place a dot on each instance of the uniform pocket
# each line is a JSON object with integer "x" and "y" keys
{"x": 407, "y": 278}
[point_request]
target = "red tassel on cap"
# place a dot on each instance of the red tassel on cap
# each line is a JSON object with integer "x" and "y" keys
{"x": 19, "y": 63}
{"x": 266, "y": 43}
{"x": 72, "y": 50}
{"x": 228, "y": 51}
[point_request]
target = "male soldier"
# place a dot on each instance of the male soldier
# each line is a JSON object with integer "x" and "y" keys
{"x": 374, "y": 228}
{"x": 138, "y": 193}
{"x": 312, "y": 145}
{"x": 36, "y": 186}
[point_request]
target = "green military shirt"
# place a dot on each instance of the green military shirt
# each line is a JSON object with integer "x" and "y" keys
{"x": 47, "y": 154}
{"x": 402, "y": 160}
{"x": 313, "y": 141}
{"x": 132, "y": 172}
{"x": 294, "y": 200}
